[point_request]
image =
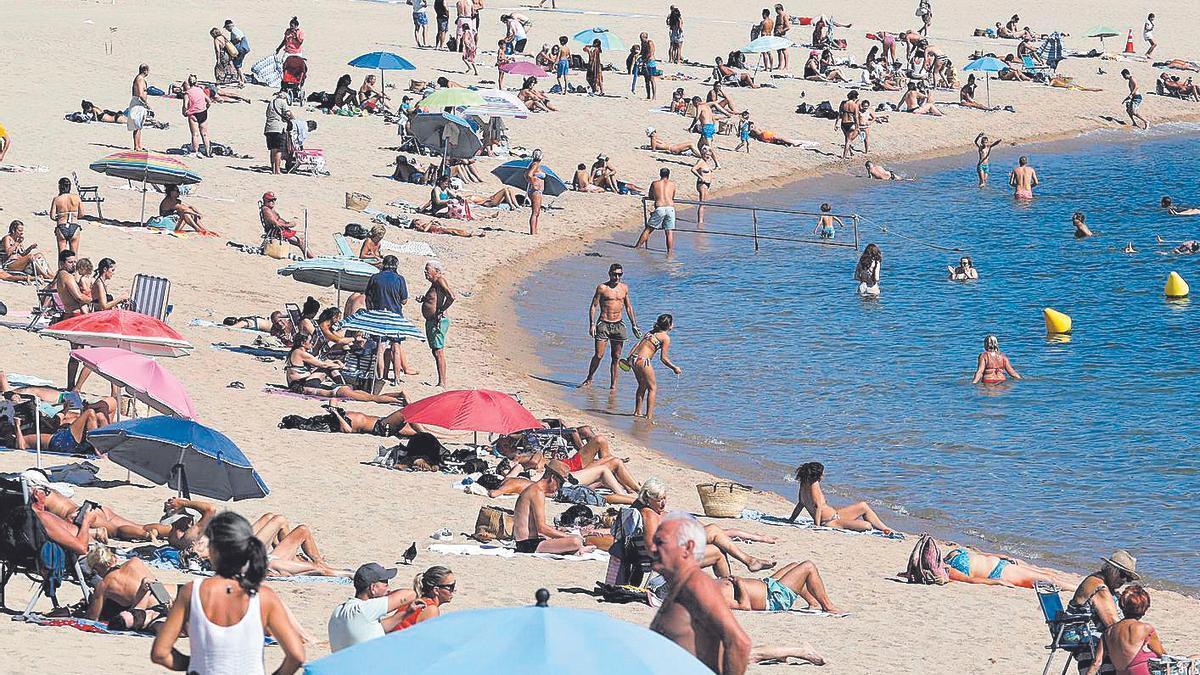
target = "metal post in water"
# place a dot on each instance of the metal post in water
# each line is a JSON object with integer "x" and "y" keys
{"x": 754, "y": 218}
{"x": 854, "y": 219}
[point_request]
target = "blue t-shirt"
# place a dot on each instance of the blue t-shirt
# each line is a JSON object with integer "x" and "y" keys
{"x": 386, "y": 290}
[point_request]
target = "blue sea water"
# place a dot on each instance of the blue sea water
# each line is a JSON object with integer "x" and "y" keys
{"x": 1095, "y": 449}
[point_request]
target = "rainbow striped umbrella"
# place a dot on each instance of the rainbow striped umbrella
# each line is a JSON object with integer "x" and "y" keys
{"x": 147, "y": 167}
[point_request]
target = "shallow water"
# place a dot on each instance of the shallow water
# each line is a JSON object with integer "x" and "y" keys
{"x": 1095, "y": 449}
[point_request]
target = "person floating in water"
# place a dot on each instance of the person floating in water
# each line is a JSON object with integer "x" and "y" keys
{"x": 993, "y": 366}
{"x": 879, "y": 172}
{"x": 1176, "y": 210}
{"x": 825, "y": 228}
{"x": 965, "y": 270}
{"x": 1082, "y": 231}
{"x": 985, "y": 145}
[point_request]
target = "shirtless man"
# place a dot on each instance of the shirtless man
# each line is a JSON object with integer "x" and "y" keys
{"x": 114, "y": 525}
{"x": 531, "y": 531}
{"x": 779, "y": 592}
{"x": 434, "y": 304}
{"x": 918, "y": 103}
{"x": 706, "y": 122}
{"x": 562, "y": 67}
{"x": 139, "y": 107}
{"x": 984, "y": 145}
{"x": 73, "y": 538}
{"x": 880, "y": 173}
{"x": 1133, "y": 101}
{"x": 65, "y": 210}
{"x": 650, "y": 67}
{"x": 393, "y": 424}
{"x": 74, "y": 300}
{"x": 662, "y": 191}
{"x": 582, "y": 181}
{"x": 611, "y": 299}
{"x": 1023, "y": 179}
{"x": 127, "y": 585}
{"x": 276, "y": 225}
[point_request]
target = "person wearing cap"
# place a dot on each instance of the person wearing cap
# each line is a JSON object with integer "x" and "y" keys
{"x": 373, "y": 611}
{"x": 1096, "y": 596}
{"x": 278, "y": 228}
{"x": 531, "y": 531}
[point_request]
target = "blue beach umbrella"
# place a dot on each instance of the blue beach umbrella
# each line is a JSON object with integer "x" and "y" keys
{"x": 513, "y": 174}
{"x": 382, "y": 324}
{"x": 525, "y": 640}
{"x": 182, "y": 454}
{"x": 986, "y": 65}
{"x": 608, "y": 40}
{"x": 382, "y": 61}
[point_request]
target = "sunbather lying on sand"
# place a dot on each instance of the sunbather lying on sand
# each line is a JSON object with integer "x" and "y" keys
{"x": 778, "y": 592}
{"x": 1179, "y": 64}
{"x": 977, "y": 567}
{"x": 917, "y": 102}
{"x": 308, "y": 375}
{"x": 434, "y": 226}
{"x": 773, "y": 138}
{"x": 94, "y": 114}
{"x": 858, "y": 517}
{"x": 64, "y": 433}
{"x": 656, "y": 145}
{"x": 340, "y": 420}
{"x": 108, "y": 524}
{"x": 277, "y": 325}
{"x": 289, "y": 550}
{"x": 73, "y": 538}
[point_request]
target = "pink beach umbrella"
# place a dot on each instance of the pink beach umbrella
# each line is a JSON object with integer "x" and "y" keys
{"x": 143, "y": 377}
{"x": 524, "y": 68}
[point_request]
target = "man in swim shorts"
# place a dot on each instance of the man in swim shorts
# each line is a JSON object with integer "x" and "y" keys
{"x": 1023, "y": 179}
{"x": 650, "y": 67}
{"x": 1133, "y": 101}
{"x": 531, "y": 531}
{"x": 706, "y": 122}
{"x": 662, "y": 191}
{"x": 434, "y": 304}
{"x": 563, "y": 66}
{"x": 611, "y": 300}
{"x": 984, "y": 145}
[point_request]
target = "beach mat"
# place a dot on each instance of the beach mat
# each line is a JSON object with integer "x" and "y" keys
{"x": 806, "y": 523}
{"x": 280, "y": 390}
{"x": 506, "y": 552}
{"x": 168, "y": 558}
{"x": 249, "y": 350}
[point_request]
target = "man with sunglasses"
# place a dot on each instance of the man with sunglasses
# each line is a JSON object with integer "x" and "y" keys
{"x": 611, "y": 301}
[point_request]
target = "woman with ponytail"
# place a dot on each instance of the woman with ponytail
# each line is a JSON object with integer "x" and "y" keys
{"x": 226, "y": 615}
{"x": 657, "y": 340}
{"x": 435, "y": 586}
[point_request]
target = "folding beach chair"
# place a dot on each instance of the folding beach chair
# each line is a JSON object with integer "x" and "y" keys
{"x": 343, "y": 246}
{"x": 88, "y": 194}
{"x": 25, "y": 548}
{"x": 1032, "y": 67}
{"x": 150, "y": 296}
{"x": 359, "y": 371}
{"x": 48, "y": 310}
{"x": 1073, "y": 633}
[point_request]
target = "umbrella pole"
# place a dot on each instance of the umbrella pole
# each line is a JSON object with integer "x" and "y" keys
{"x": 143, "y": 220}
{"x": 988, "y": 82}
{"x": 37, "y": 433}
{"x": 180, "y": 481}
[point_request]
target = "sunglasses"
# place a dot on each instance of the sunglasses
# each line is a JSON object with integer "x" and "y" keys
{"x": 449, "y": 587}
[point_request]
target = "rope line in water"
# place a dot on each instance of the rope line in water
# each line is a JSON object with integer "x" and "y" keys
{"x": 884, "y": 228}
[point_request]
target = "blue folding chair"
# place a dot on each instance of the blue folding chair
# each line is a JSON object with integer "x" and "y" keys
{"x": 1072, "y": 633}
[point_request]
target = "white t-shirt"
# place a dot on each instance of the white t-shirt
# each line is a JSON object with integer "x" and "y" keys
{"x": 517, "y": 29}
{"x": 356, "y": 621}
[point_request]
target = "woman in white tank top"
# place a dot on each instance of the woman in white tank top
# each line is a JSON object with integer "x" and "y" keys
{"x": 226, "y": 615}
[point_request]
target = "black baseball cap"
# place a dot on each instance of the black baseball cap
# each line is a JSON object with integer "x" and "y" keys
{"x": 369, "y": 574}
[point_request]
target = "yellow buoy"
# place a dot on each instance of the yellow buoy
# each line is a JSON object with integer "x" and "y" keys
{"x": 1056, "y": 321}
{"x": 1176, "y": 287}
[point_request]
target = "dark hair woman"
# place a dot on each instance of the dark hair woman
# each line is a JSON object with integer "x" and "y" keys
{"x": 858, "y": 517}
{"x": 867, "y": 271}
{"x": 657, "y": 340}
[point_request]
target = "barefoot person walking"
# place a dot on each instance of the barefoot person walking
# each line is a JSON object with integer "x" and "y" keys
{"x": 662, "y": 191}
{"x": 434, "y": 304}
{"x": 611, "y": 300}
{"x": 1133, "y": 101}
{"x": 657, "y": 340}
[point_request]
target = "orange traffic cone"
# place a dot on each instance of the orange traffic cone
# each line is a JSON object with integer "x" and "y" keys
{"x": 1129, "y": 43}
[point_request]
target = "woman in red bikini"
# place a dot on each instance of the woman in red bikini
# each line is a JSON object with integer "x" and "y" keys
{"x": 993, "y": 366}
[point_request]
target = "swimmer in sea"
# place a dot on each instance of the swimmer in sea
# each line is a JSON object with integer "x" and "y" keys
{"x": 879, "y": 173}
{"x": 824, "y": 228}
{"x": 1081, "y": 229}
{"x": 993, "y": 364}
{"x": 1129, "y": 248}
{"x": 1023, "y": 179}
{"x": 1175, "y": 210}
{"x": 965, "y": 270}
{"x": 1188, "y": 247}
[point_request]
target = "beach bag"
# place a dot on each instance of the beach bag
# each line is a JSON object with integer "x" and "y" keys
{"x": 357, "y": 201}
{"x": 723, "y": 499}
{"x": 493, "y": 523}
{"x": 275, "y": 249}
{"x": 579, "y": 494}
{"x": 452, "y": 44}
{"x": 925, "y": 564}
{"x": 805, "y": 109}
{"x": 231, "y": 50}
{"x": 825, "y": 110}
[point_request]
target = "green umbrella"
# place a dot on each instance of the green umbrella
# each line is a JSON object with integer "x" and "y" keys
{"x": 1103, "y": 32}
{"x": 451, "y": 97}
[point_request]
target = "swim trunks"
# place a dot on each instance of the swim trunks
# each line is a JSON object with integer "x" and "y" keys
{"x": 1133, "y": 102}
{"x": 529, "y": 545}
{"x": 826, "y": 232}
{"x": 1023, "y": 194}
{"x": 275, "y": 140}
{"x": 709, "y": 130}
{"x": 610, "y": 330}
{"x": 562, "y": 68}
{"x": 652, "y": 69}
{"x": 663, "y": 218}
{"x": 985, "y": 169}
{"x": 780, "y": 598}
{"x": 63, "y": 441}
{"x": 435, "y": 332}
{"x": 420, "y": 19}
{"x": 135, "y": 114}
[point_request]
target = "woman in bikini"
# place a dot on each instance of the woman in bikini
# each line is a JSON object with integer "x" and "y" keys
{"x": 308, "y": 375}
{"x": 338, "y": 343}
{"x": 867, "y": 271}
{"x": 657, "y": 340}
{"x": 535, "y": 180}
{"x": 533, "y": 99}
{"x": 17, "y": 259}
{"x": 65, "y": 211}
{"x": 976, "y": 567}
{"x": 859, "y": 517}
{"x": 101, "y": 298}
{"x": 701, "y": 171}
{"x": 993, "y": 364}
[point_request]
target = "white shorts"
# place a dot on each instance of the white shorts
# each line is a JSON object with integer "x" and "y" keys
{"x": 663, "y": 218}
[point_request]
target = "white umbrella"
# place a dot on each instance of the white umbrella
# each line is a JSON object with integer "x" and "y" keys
{"x": 498, "y": 103}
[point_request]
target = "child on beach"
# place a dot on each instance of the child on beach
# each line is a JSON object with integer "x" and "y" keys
{"x": 743, "y": 130}
{"x": 825, "y": 228}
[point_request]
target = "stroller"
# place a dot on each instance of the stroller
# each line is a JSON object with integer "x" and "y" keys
{"x": 295, "y": 71}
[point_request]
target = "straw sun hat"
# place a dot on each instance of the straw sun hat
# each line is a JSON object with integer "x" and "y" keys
{"x": 1124, "y": 562}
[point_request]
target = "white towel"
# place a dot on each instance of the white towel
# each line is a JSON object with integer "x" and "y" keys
{"x": 505, "y": 552}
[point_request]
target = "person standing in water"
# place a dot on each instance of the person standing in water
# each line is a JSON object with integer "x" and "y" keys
{"x": 1023, "y": 179}
{"x": 610, "y": 301}
{"x": 657, "y": 340}
{"x": 984, "y": 145}
{"x": 662, "y": 191}
{"x": 993, "y": 365}
{"x": 1082, "y": 231}
{"x": 867, "y": 271}
{"x": 825, "y": 228}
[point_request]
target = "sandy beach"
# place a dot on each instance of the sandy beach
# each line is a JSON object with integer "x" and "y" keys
{"x": 362, "y": 513}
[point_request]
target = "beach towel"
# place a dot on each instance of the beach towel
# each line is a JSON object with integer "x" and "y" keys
{"x": 249, "y": 350}
{"x": 169, "y": 558}
{"x": 280, "y": 390}
{"x": 806, "y": 523}
{"x": 88, "y": 626}
{"x": 268, "y": 71}
{"x": 135, "y": 114}
{"x": 205, "y": 323}
{"x": 19, "y": 380}
{"x": 507, "y": 552}
{"x": 813, "y": 611}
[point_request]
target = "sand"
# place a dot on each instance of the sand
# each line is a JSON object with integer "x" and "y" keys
{"x": 361, "y": 513}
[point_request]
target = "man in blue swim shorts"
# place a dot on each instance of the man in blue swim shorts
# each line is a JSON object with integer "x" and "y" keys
{"x": 779, "y": 592}
{"x": 420, "y": 21}
{"x": 563, "y": 65}
{"x": 650, "y": 67}
{"x": 662, "y": 191}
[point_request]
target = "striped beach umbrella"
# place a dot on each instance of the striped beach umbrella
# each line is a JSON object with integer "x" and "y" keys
{"x": 382, "y": 324}
{"x": 146, "y": 167}
{"x": 498, "y": 103}
{"x": 344, "y": 274}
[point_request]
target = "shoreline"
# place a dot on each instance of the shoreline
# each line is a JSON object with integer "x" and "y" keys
{"x": 498, "y": 295}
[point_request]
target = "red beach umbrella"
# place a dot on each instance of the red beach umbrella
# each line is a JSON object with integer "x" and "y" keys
{"x": 122, "y": 329}
{"x": 472, "y": 410}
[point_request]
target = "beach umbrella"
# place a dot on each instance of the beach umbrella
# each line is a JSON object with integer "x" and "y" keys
{"x": 382, "y": 61}
{"x": 450, "y": 135}
{"x": 181, "y": 454}
{"x": 450, "y": 97}
{"x": 383, "y": 324}
{"x": 538, "y": 640}
{"x": 122, "y": 329}
{"x": 349, "y": 274}
{"x": 143, "y": 377}
{"x": 513, "y": 174}
{"x": 497, "y": 103}
{"x": 1102, "y": 32}
{"x": 472, "y": 410}
{"x": 766, "y": 43}
{"x": 147, "y": 167}
{"x": 986, "y": 65}
{"x": 609, "y": 41}
{"x": 524, "y": 69}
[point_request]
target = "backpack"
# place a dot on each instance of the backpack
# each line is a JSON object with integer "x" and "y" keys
{"x": 825, "y": 110}
{"x": 925, "y": 564}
